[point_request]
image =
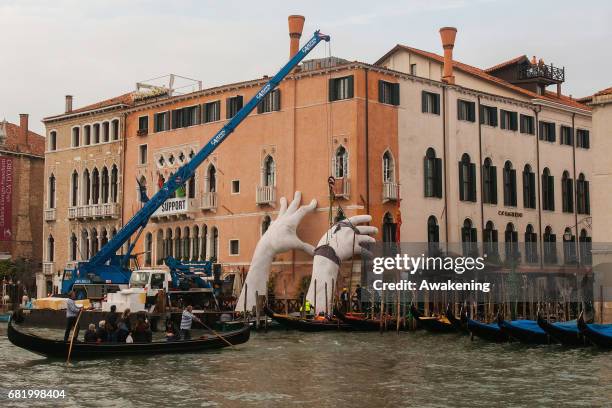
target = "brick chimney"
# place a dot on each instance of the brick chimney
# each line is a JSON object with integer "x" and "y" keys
{"x": 447, "y": 34}
{"x": 68, "y": 103}
{"x": 296, "y": 25}
{"x": 23, "y": 125}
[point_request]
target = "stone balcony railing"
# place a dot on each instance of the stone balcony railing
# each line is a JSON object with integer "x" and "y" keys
{"x": 105, "y": 210}
{"x": 390, "y": 191}
{"x": 209, "y": 201}
{"x": 265, "y": 195}
{"x": 174, "y": 208}
{"x": 50, "y": 214}
{"x": 48, "y": 268}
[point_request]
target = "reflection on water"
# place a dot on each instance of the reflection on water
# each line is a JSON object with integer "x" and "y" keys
{"x": 282, "y": 368}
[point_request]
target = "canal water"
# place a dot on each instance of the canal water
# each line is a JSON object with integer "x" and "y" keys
{"x": 291, "y": 369}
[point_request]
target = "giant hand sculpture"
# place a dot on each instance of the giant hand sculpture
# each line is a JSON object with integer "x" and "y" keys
{"x": 344, "y": 240}
{"x": 281, "y": 236}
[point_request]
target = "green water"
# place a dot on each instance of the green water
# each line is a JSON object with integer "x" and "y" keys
{"x": 292, "y": 369}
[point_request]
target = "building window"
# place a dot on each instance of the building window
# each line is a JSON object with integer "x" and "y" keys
{"x": 50, "y": 249}
{"x": 529, "y": 188}
{"x": 582, "y": 138}
{"x": 96, "y": 133}
{"x": 265, "y": 224}
{"x": 585, "y": 248}
{"x": 115, "y": 129}
{"x": 105, "y": 185}
{"x": 433, "y": 235}
{"x": 86, "y": 188}
{"x": 489, "y": 182}
{"x": 466, "y": 110}
{"x": 142, "y": 154}
{"x": 567, "y": 136}
{"x": 550, "y": 246}
{"x": 469, "y": 238}
{"x": 509, "y": 185}
{"x": 388, "y": 93}
{"x": 547, "y": 131}
{"x": 161, "y": 121}
{"x": 432, "y": 174}
{"x": 51, "y": 191}
{"x": 143, "y": 124}
{"x": 211, "y": 179}
{"x": 53, "y": 140}
{"x": 191, "y": 187}
{"x": 85, "y": 244}
{"x": 488, "y": 115}
{"x": 567, "y": 193}
{"x": 86, "y": 135}
{"x": 569, "y": 247}
{"x": 511, "y": 244}
{"x": 413, "y": 69}
{"x": 105, "y": 132}
{"x": 114, "y": 181}
{"x": 269, "y": 172}
{"x": 232, "y": 106}
{"x": 94, "y": 242}
{"x": 490, "y": 241}
{"x": 340, "y": 88}
{"x": 185, "y": 117}
{"x": 531, "y": 245}
{"x": 235, "y": 186}
{"x": 212, "y": 111}
{"x": 76, "y": 136}
{"x": 214, "y": 245}
{"x": 548, "y": 190}
{"x": 74, "y": 199}
{"x": 388, "y": 168}
{"x": 430, "y": 102}
{"x": 389, "y": 229}
{"x": 340, "y": 164}
{"x": 527, "y": 124}
{"x": 203, "y": 241}
{"x": 582, "y": 195}
{"x": 467, "y": 179}
{"x": 234, "y": 247}
{"x": 508, "y": 120}
{"x": 95, "y": 186}
{"x": 142, "y": 189}
{"x": 270, "y": 102}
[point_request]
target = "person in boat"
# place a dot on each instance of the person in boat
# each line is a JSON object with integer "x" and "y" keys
{"x": 123, "y": 326}
{"x": 321, "y": 317}
{"x": 101, "y": 332}
{"x": 171, "y": 332}
{"x": 90, "y": 334}
{"x": 307, "y": 308}
{"x": 112, "y": 317}
{"x": 72, "y": 311}
{"x": 142, "y": 330}
{"x": 358, "y": 296}
{"x": 344, "y": 298}
{"x": 186, "y": 320}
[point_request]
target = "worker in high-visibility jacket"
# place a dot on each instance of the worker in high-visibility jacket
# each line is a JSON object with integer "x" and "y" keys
{"x": 306, "y": 308}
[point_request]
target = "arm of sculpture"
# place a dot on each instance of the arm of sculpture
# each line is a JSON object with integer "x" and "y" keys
{"x": 281, "y": 236}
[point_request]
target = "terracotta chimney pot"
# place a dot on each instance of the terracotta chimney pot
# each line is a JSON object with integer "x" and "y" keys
{"x": 296, "y": 25}
{"x": 68, "y": 103}
{"x": 448, "y": 34}
{"x": 23, "y": 124}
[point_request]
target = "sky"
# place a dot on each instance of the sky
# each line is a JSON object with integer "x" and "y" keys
{"x": 99, "y": 49}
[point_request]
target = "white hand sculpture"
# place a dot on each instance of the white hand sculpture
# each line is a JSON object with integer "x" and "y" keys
{"x": 346, "y": 242}
{"x": 281, "y": 236}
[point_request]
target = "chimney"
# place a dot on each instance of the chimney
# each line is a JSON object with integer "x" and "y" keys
{"x": 68, "y": 103}
{"x": 296, "y": 24}
{"x": 447, "y": 34}
{"x": 23, "y": 124}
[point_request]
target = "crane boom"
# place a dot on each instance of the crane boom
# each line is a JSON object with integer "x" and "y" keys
{"x": 102, "y": 259}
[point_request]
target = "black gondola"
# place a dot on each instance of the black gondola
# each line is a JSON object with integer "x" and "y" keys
{"x": 59, "y": 348}
{"x": 306, "y": 325}
{"x": 459, "y": 324}
{"x": 598, "y": 334}
{"x": 436, "y": 324}
{"x": 525, "y": 331}
{"x": 486, "y": 331}
{"x": 364, "y": 324}
{"x": 566, "y": 333}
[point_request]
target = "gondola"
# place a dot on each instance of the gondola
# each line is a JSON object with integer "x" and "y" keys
{"x": 59, "y": 348}
{"x": 361, "y": 323}
{"x": 525, "y": 331}
{"x": 459, "y": 324}
{"x": 566, "y": 333}
{"x": 306, "y": 325}
{"x": 486, "y": 331}
{"x": 598, "y": 334}
{"x": 435, "y": 324}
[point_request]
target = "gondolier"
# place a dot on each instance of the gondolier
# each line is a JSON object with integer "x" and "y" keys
{"x": 186, "y": 320}
{"x": 72, "y": 311}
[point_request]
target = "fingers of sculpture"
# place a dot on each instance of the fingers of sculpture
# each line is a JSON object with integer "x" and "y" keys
{"x": 348, "y": 239}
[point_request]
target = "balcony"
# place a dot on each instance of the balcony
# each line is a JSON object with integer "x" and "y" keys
{"x": 549, "y": 73}
{"x": 265, "y": 195}
{"x": 106, "y": 210}
{"x": 71, "y": 265}
{"x": 390, "y": 191}
{"x": 142, "y": 132}
{"x": 175, "y": 208}
{"x": 342, "y": 188}
{"x": 50, "y": 214}
{"x": 209, "y": 201}
{"x": 48, "y": 268}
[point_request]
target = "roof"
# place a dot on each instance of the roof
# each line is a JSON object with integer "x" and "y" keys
{"x": 607, "y": 91}
{"x": 125, "y": 99}
{"x": 504, "y": 64}
{"x": 482, "y": 74}
{"x": 15, "y": 143}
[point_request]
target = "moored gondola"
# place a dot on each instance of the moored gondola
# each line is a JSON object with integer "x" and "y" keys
{"x": 306, "y": 325}
{"x": 486, "y": 331}
{"x": 566, "y": 333}
{"x": 362, "y": 323}
{"x": 459, "y": 324}
{"x": 434, "y": 324}
{"x": 525, "y": 331}
{"x": 598, "y": 334}
{"x": 59, "y": 348}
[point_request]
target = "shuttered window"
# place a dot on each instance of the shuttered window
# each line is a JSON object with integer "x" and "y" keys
{"x": 529, "y": 188}
{"x": 432, "y": 171}
{"x": 466, "y": 110}
{"x": 567, "y": 136}
{"x": 467, "y": 179}
{"x": 567, "y": 193}
{"x": 232, "y": 106}
{"x": 547, "y": 131}
{"x": 527, "y": 126}
{"x": 509, "y": 185}
{"x": 582, "y": 138}
{"x": 430, "y": 102}
{"x": 388, "y": 93}
{"x": 184, "y": 117}
{"x": 161, "y": 121}
{"x": 212, "y": 111}
{"x": 508, "y": 120}
{"x": 341, "y": 88}
{"x": 488, "y": 115}
{"x": 270, "y": 102}
{"x": 489, "y": 181}
{"x": 548, "y": 191}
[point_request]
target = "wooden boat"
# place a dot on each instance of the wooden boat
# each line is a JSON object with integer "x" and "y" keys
{"x": 566, "y": 333}
{"x": 486, "y": 331}
{"x": 598, "y": 334}
{"x": 459, "y": 324}
{"x": 59, "y": 348}
{"x": 434, "y": 324}
{"x": 307, "y": 325}
{"x": 525, "y": 331}
{"x": 360, "y": 323}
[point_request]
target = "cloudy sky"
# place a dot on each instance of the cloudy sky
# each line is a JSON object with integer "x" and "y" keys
{"x": 99, "y": 49}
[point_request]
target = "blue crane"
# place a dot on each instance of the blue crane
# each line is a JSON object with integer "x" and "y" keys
{"x": 108, "y": 267}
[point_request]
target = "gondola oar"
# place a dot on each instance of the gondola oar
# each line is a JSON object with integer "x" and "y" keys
{"x": 214, "y": 332}
{"x": 74, "y": 329}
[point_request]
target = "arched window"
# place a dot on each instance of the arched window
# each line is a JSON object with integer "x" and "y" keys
{"x": 432, "y": 174}
{"x": 203, "y": 243}
{"x": 73, "y": 247}
{"x": 114, "y": 180}
{"x": 178, "y": 243}
{"x": 76, "y": 136}
{"x": 169, "y": 243}
{"x": 103, "y": 238}
{"x": 53, "y": 140}
{"x": 115, "y": 129}
{"x": 550, "y": 246}
{"x": 191, "y": 187}
{"x": 50, "y": 249}
{"x": 51, "y": 191}
{"x": 388, "y": 168}
{"x": 340, "y": 164}
{"x": 569, "y": 247}
{"x": 389, "y": 229}
{"x": 265, "y": 224}
{"x": 585, "y": 248}
{"x": 86, "y": 188}
{"x": 531, "y": 245}
{"x": 94, "y": 242}
{"x": 86, "y": 135}
{"x": 211, "y": 179}
{"x": 433, "y": 233}
{"x": 467, "y": 179}
{"x": 105, "y": 132}
{"x": 105, "y": 185}
{"x": 85, "y": 245}
{"x": 186, "y": 244}
{"x": 529, "y": 188}
{"x": 148, "y": 250}
{"x": 469, "y": 238}
{"x": 489, "y": 182}
{"x": 160, "y": 247}
{"x": 511, "y": 238}
{"x": 214, "y": 245}
{"x": 95, "y": 186}
{"x": 567, "y": 193}
{"x": 548, "y": 190}
{"x": 509, "y": 185}
{"x": 490, "y": 240}
{"x": 582, "y": 195}
{"x": 269, "y": 172}
{"x": 96, "y": 133}
{"x": 74, "y": 196}
{"x": 195, "y": 243}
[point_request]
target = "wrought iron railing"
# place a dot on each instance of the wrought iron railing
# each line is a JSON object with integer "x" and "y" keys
{"x": 532, "y": 71}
